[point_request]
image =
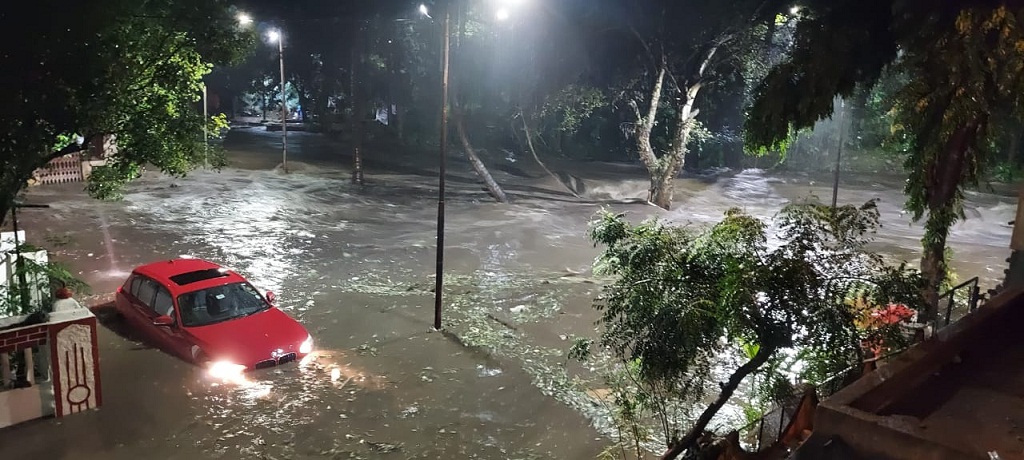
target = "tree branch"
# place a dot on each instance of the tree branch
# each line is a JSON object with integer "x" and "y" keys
{"x": 687, "y": 441}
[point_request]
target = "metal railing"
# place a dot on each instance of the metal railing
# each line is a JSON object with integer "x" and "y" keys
{"x": 961, "y": 300}
{"x": 772, "y": 424}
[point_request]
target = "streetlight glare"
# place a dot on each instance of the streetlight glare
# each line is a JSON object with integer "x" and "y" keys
{"x": 273, "y": 36}
{"x": 244, "y": 19}
{"x": 424, "y": 10}
{"x": 502, "y": 14}
{"x": 794, "y": 10}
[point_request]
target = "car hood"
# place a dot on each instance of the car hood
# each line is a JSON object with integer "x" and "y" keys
{"x": 251, "y": 339}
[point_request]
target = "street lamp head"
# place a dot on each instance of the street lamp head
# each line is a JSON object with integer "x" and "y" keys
{"x": 244, "y": 19}
{"x": 794, "y": 10}
{"x": 273, "y": 35}
{"x": 424, "y": 10}
{"x": 502, "y": 14}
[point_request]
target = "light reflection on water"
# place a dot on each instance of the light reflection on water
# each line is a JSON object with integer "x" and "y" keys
{"x": 313, "y": 239}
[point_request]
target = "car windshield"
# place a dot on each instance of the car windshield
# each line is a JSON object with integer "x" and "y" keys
{"x": 221, "y": 303}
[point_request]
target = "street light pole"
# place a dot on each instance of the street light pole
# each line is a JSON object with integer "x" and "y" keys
{"x": 206, "y": 130}
{"x": 839, "y": 152}
{"x": 445, "y": 68}
{"x": 284, "y": 107}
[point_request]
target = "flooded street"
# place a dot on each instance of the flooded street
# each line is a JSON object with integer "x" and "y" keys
{"x": 355, "y": 265}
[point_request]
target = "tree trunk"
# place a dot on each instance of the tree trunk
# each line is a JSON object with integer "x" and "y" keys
{"x": 529, "y": 145}
{"x": 478, "y": 166}
{"x": 933, "y": 263}
{"x": 645, "y": 124}
{"x": 1011, "y": 153}
{"x": 391, "y": 107}
{"x": 662, "y": 188}
{"x": 728, "y": 388}
{"x": 356, "y": 93}
{"x": 300, "y": 91}
{"x": 669, "y": 166}
{"x": 942, "y": 187}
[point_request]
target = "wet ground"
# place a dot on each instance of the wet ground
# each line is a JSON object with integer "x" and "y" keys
{"x": 355, "y": 265}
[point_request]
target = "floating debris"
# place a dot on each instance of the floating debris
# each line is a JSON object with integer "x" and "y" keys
{"x": 410, "y": 411}
{"x": 384, "y": 447}
{"x": 484, "y": 371}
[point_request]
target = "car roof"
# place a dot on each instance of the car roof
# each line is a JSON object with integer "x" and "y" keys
{"x": 169, "y": 272}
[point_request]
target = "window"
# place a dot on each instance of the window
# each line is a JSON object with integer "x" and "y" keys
{"x": 221, "y": 303}
{"x": 146, "y": 292}
{"x": 162, "y": 305}
{"x": 199, "y": 275}
{"x": 136, "y": 281}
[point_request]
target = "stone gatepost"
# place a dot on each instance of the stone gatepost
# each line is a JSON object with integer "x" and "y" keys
{"x": 49, "y": 369}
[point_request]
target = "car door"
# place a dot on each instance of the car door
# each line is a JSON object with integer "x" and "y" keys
{"x": 138, "y": 313}
{"x": 172, "y": 338}
{"x": 128, "y": 292}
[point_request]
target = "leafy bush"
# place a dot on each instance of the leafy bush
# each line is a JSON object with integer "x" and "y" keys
{"x": 694, "y": 312}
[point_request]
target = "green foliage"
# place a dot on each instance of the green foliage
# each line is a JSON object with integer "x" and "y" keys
{"x": 130, "y": 69}
{"x": 682, "y": 296}
{"x": 981, "y": 54}
{"x": 837, "y": 46}
{"x": 1006, "y": 173}
{"x": 42, "y": 278}
{"x": 107, "y": 182}
{"x": 572, "y": 105}
{"x": 959, "y": 69}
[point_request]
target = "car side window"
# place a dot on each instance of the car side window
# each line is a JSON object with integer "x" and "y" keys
{"x": 162, "y": 305}
{"x": 147, "y": 290}
{"x": 136, "y": 281}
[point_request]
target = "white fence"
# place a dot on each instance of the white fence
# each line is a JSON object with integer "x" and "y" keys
{"x": 37, "y": 283}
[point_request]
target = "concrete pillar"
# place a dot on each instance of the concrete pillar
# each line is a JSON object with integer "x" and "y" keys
{"x": 6, "y": 377}
{"x": 1017, "y": 238}
{"x": 1015, "y": 272}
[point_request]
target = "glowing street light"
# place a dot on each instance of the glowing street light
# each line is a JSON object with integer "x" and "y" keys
{"x": 274, "y": 35}
{"x": 244, "y": 19}
{"x": 795, "y": 10}
{"x": 503, "y": 13}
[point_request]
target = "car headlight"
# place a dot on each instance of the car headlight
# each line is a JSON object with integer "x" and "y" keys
{"x": 227, "y": 371}
{"x": 307, "y": 346}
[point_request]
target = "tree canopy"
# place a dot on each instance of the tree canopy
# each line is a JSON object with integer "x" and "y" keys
{"x": 684, "y": 300}
{"x": 132, "y": 69}
{"x": 960, "y": 64}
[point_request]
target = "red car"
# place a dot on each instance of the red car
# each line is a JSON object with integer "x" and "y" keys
{"x": 210, "y": 316}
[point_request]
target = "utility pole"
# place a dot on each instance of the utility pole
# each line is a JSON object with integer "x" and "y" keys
{"x": 839, "y": 151}
{"x": 284, "y": 108}
{"x": 206, "y": 130}
{"x": 445, "y": 67}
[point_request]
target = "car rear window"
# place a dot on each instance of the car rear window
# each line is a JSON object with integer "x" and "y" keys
{"x": 198, "y": 275}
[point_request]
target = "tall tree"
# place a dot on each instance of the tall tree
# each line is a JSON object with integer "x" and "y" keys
{"x": 684, "y": 48}
{"x": 963, "y": 63}
{"x": 78, "y": 70}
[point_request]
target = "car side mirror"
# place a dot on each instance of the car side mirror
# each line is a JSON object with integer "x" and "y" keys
{"x": 163, "y": 321}
{"x": 271, "y": 297}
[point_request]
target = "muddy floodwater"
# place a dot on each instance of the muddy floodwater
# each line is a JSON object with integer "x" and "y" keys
{"x": 355, "y": 265}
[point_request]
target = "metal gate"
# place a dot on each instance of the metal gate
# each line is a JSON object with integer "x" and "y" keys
{"x": 65, "y": 169}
